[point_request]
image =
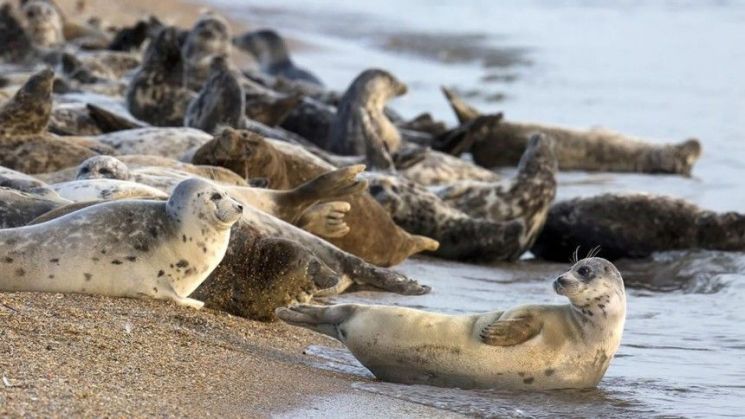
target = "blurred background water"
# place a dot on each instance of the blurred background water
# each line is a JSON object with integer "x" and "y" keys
{"x": 662, "y": 70}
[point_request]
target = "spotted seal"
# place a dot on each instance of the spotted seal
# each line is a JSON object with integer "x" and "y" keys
{"x": 129, "y": 248}
{"x": 373, "y": 235}
{"x": 527, "y": 196}
{"x": 360, "y": 126}
{"x": 659, "y": 223}
{"x": 105, "y": 189}
{"x": 18, "y": 48}
{"x": 220, "y": 102}
{"x": 531, "y": 347}
{"x": 502, "y": 144}
{"x": 270, "y": 50}
{"x": 461, "y": 236}
{"x": 171, "y": 142}
{"x": 156, "y": 93}
{"x": 19, "y": 208}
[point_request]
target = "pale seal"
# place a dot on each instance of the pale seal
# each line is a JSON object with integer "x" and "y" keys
{"x": 156, "y": 93}
{"x": 43, "y": 24}
{"x": 532, "y": 347}
{"x": 171, "y": 142}
{"x": 269, "y": 49}
{"x": 502, "y": 143}
{"x": 105, "y": 189}
{"x": 127, "y": 248}
{"x": 635, "y": 226}
{"x": 527, "y": 196}
{"x": 360, "y": 126}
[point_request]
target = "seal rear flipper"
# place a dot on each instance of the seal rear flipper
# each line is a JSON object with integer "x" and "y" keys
{"x": 321, "y": 319}
{"x": 326, "y": 220}
{"x": 510, "y": 332}
{"x": 463, "y": 111}
{"x": 328, "y": 186}
{"x": 110, "y": 122}
{"x": 389, "y": 280}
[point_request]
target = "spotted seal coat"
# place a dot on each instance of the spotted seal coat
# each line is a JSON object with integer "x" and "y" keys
{"x": 658, "y": 223}
{"x": 531, "y": 347}
{"x": 127, "y": 248}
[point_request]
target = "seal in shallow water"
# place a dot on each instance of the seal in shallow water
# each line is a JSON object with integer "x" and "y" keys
{"x": 634, "y": 226}
{"x": 128, "y": 248}
{"x": 535, "y": 347}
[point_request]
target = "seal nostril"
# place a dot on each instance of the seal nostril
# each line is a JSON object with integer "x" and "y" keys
{"x": 561, "y": 280}
{"x": 239, "y": 207}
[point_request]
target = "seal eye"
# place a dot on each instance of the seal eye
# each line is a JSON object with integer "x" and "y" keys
{"x": 216, "y": 196}
{"x": 583, "y": 271}
{"x": 105, "y": 172}
{"x": 84, "y": 170}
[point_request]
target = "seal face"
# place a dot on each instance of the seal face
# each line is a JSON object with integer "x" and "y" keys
{"x": 209, "y": 38}
{"x": 43, "y": 24}
{"x": 529, "y": 347}
{"x": 127, "y": 248}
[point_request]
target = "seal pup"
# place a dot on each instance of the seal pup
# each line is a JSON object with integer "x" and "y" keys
{"x": 373, "y": 235}
{"x": 527, "y": 196}
{"x": 360, "y": 126}
{"x": 502, "y": 144}
{"x": 156, "y": 93}
{"x": 635, "y": 226}
{"x": 461, "y": 236}
{"x": 221, "y": 102}
{"x": 25, "y": 144}
{"x": 128, "y": 248}
{"x": 531, "y": 347}
{"x": 43, "y": 24}
{"x": 270, "y": 50}
{"x": 105, "y": 189}
{"x": 208, "y": 38}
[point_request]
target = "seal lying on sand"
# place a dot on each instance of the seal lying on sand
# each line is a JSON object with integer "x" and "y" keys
{"x": 127, "y": 248}
{"x": 19, "y": 208}
{"x": 528, "y": 196}
{"x": 156, "y": 94}
{"x": 532, "y": 347}
{"x": 461, "y": 236}
{"x": 361, "y": 126}
{"x": 25, "y": 145}
{"x": 373, "y": 236}
{"x": 503, "y": 143}
{"x": 635, "y": 226}
{"x": 269, "y": 49}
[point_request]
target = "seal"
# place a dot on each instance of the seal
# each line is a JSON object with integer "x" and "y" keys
{"x": 221, "y": 102}
{"x": 128, "y": 248}
{"x": 360, "y": 126}
{"x": 43, "y": 24}
{"x": 531, "y": 347}
{"x": 438, "y": 168}
{"x": 171, "y": 142}
{"x": 156, "y": 93}
{"x": 25, "y": 145}
{"x": 527, "y": 196}
{"x": 502, "y": 144}
{"x": 20, "y": 208}
{"x": 208, "y": 38}
{"x": 270, "y": 51}
{"x": 461, "y": 236}
{"x": 659, "y": 223}
{"x": 18, "y": 46}
{"x": 105, "y": 189}
{"x": 373, "y": 235}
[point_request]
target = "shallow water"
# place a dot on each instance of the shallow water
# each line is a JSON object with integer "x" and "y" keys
{"x": 661, "y": 70}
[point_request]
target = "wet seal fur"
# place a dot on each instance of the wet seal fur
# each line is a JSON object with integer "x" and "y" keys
{"x": 373, "y": 235}
{"x": 658, "y": 223}
{"x": 360, "y": 126}
{"x": 527, "y": 197}
{"x": 502, "y": 143}
{"x": 127, "y": 248}
{"x": 532, "y": 347}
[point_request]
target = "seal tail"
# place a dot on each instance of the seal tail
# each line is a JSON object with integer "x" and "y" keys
{"x": 321, "y": 319}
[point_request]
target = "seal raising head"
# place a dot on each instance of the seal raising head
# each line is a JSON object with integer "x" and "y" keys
{"x": 103, "y": 167}
{"x": 528, "y": 347}
{"x": 128, "y": 248}
{"x": 43, "y": 24}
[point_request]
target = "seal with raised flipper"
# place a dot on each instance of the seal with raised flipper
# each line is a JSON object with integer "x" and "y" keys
{"x": 129, "y": 248}
{"x": 531, "y": 347}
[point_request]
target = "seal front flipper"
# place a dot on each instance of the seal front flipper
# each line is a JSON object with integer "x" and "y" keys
{"x": 513, "y": 331}
{"x": 321, "y": 319}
